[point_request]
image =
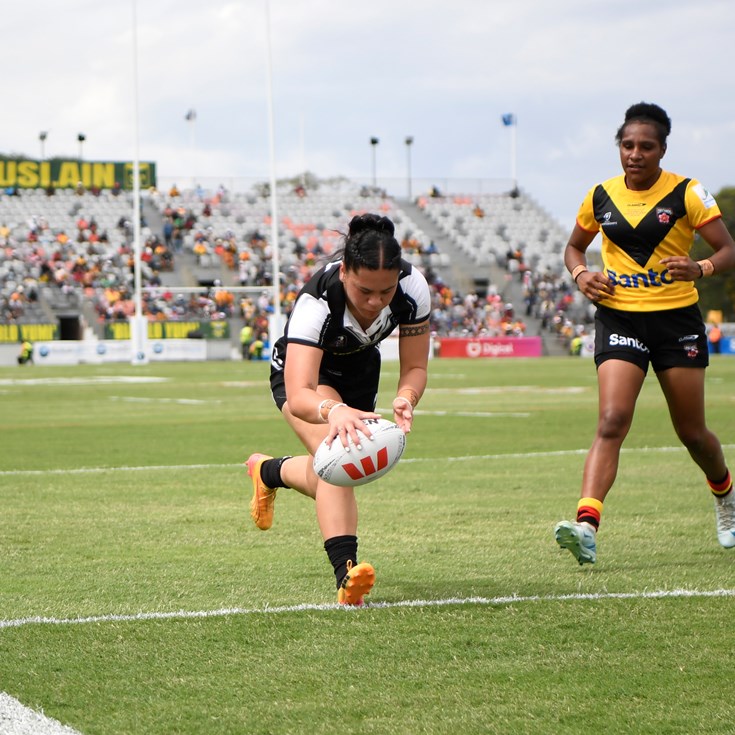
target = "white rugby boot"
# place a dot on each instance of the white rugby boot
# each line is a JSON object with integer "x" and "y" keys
{"x": 725, "y": 517}
{"x": 579, "y": 538}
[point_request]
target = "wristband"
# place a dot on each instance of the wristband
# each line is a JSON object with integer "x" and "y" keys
{"x": 329, "y": 404}
{"x": 336, "y": 405}
{"x": 578, "y": 270}
{"x": 412, "y": 397}
{"x": 707, "y": 267}
{"x": 403, "y": 398}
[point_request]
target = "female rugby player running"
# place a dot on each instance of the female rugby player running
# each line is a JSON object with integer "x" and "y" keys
{"x": 647, "y": 313}
{"x": 324, "y": 379}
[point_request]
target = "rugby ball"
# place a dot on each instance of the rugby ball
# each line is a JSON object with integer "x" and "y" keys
{"x": 339, "y": 467}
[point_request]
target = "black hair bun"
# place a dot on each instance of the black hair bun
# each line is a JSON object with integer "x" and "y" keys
{"x": 365, "y": 222}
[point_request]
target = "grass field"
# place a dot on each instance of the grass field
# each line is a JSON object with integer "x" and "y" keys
{"x": 136, "y": 596}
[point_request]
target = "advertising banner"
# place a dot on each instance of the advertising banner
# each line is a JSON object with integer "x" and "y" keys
{"x": 74, "y": 352}
{"x": 28, "y": 332}
{"x": 219, "y": 329}
{"x": 489, "y": 346}
{"x": 59, "y": 173}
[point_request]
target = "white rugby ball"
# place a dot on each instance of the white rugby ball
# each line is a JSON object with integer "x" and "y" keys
{"x": 360, "y": 466}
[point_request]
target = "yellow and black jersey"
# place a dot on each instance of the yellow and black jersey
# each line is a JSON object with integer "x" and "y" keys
{"x": 639, "y": 229}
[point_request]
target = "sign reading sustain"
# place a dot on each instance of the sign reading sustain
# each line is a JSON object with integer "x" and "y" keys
{"x": 60, "y": 173}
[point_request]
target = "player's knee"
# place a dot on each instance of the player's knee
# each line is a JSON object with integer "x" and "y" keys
{"x": 693, "y": 438}
{"x": 613, "y": 424}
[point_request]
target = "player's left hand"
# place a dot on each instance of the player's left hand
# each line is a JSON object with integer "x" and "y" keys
{"x": 682, "y": 268}
{"x": 403, "y": 414}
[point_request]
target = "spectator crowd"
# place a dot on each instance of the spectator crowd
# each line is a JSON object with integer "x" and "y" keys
{"x": 88, "y": 263}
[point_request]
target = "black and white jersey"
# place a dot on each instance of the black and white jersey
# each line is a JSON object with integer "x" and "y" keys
{"x": 321, "y": 318}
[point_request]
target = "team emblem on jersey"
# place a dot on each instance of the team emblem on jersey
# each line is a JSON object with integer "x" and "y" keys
{"x": 689, "y": 343}
{"x": 664, "y": 215}
{"x": 607, "y": 220}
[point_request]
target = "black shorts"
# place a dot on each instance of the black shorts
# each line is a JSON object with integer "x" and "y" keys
{"x": 355, "y": 377}
{"x": 663, "y": 339}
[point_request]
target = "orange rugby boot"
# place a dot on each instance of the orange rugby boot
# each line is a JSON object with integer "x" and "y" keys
{"x": 264, "y": 497}
{"x": 357, "y": 583}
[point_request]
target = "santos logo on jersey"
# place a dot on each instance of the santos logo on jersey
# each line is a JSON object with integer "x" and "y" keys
{"x": 618, "y": 340}
{"x": 636, "y": 280}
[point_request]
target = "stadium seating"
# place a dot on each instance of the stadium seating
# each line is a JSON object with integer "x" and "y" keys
{"x": 312, "y": 223}
{"x": 60, "y": 250}
{"x": 222, "y": 241}
{"x": 488, "y": 226}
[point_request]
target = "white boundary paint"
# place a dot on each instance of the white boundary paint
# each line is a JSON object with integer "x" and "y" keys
{"x": 322, "y": 607}
{"x": 408, "y": 460}
{"x": 407, "y": 603}
{"x": 17, "y": 719}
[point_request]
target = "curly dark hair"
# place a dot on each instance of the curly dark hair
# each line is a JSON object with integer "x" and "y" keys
{"x": 649, "y": 113}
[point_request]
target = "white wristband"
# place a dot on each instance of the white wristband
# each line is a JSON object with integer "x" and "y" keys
{"x": 403, "y": 398}
{"x": 336, "y": 405}
{"x": 319, "y": 411}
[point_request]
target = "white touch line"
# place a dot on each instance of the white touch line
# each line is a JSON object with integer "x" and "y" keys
{"x": 407, "y": 460}
{"x": 505, "y": 389}
{"x": 185, "y": 401}
{"x": 477, "y": 414}
{"x": 92, "y": 379}
{"x": 505, "y": 600}
{"x": 96, "y": 470}
{"x": 17, "y": 719}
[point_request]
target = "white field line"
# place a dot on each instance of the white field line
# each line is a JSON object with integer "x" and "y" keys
{"x": 313, "y": 607}
{"x": 184, "y": 401}
{"x": 91, "y": 380}
{"x": 17, "y": 719}
{"x": 505, "y": 389}
{"x": 476, "y": 414}
{"x": 408, "y": 460}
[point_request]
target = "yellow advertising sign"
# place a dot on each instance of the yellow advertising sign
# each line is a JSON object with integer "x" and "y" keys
{"x": 66, "y": 174}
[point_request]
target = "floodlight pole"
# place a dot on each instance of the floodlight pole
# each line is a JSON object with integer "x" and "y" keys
{"x": 276, "y": 258}
{"x": 513, "y": 155}
{"x": 139, "y": 325}
{"x": 302, "y": 148}
{"x": 191, "y": 118}
{"x": 374, "y": 144}
{"x": 409, "y": 143}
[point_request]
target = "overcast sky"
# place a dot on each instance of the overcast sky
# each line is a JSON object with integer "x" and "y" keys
{"x": 343, "y": 72}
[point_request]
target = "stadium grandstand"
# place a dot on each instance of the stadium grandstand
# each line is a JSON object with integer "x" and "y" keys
{"x": 493, "y": 260}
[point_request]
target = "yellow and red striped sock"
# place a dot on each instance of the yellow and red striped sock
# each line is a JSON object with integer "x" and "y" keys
{"x": 589, "y": 511}
{"x": 721, "y": 488}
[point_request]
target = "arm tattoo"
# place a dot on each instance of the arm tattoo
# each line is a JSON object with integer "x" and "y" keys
{"x": 412, "y": 331}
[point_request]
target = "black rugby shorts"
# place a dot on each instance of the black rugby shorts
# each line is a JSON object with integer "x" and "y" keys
{"x": 355, "y": 377}
{"x": 663, "y": 339}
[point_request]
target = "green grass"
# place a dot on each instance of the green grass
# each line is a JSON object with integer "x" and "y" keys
{"x": 120, "y": 498}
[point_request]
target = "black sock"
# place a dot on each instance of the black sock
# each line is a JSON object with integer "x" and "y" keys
{"x": 270, "y": 472}
{"x": 340, "y": 550}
